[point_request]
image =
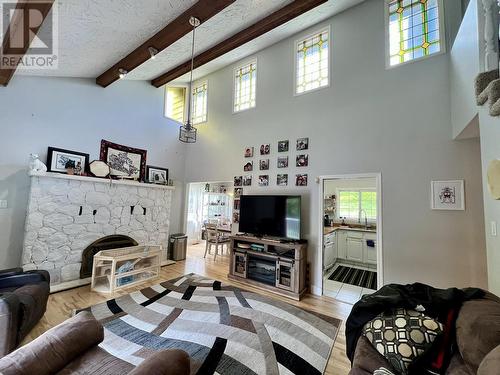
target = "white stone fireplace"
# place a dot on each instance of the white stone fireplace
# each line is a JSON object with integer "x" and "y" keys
{"x": 68, "y": 213}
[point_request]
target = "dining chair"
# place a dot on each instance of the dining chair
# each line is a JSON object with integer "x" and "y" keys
{"x": 215, "y": 238}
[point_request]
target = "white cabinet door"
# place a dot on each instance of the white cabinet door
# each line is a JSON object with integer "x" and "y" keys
{"x": 354, "y": 249}
{"x": 370, "y": 253}
{"x": 341, "y": 244}
{"x": 330, "y": 251}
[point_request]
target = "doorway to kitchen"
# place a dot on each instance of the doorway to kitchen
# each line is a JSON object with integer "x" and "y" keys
{"x": 208, "y": 203}
{"x": 351, "y": 235}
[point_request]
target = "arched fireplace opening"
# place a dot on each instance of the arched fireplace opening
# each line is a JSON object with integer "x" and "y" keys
{"x": 109, "y": 242}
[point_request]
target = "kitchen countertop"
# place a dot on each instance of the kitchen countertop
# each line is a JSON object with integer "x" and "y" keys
{"x": 328, "y": 230}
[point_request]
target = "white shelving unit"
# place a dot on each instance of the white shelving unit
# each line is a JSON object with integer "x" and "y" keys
{"x": 121, "y": 268}
{"x": 217, "y": 206}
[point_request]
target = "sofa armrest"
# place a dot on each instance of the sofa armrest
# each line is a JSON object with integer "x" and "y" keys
{"x": 16, "y": 281}
{"x": 9, "y": 320}
{"x": 165, "y": 362}
{"x": 10, "y": 272}
{"x": 57, "y": 347}
{"x": 45, "y": 275}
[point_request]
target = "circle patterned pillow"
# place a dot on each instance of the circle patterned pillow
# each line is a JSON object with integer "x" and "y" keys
{"x": 401, "y": 336}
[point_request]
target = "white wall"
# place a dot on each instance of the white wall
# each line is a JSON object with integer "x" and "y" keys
{"x": 395, "y": 121}
{"x": 464, "y": 66}
{"x": 76, "y": 114}
{"x": 490, "y": 136}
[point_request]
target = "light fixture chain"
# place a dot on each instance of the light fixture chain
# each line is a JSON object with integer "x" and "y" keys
{"x": 190, "y": 96}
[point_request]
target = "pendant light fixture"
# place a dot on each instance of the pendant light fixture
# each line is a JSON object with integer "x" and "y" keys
{"x": 187, "y": 132}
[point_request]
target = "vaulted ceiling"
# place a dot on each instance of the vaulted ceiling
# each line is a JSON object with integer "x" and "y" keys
{"x": 95, "y": 34}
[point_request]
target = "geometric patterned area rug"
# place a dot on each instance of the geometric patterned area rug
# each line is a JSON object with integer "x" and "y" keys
{"x": 224, "y": 329}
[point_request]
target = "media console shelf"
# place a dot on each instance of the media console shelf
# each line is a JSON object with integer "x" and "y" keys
{"x": 274, "y": 266}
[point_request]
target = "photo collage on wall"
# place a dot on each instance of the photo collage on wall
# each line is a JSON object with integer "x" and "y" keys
{"x": 264, "y": 162}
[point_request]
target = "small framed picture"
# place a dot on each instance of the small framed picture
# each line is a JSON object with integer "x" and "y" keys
{"x": 264, "y": 180}
{"x": 283, "y": 146}
{"x": 265, "y": 149}
{"x": 282, "y": 180}
{"x": 301, "y": 180}
{"x": 60, "y": 160}
{"x": 237, "y": 204}
{"x": 249, "y": 152}
{"x": 238, "y": 192}
{"x": 264, "y": 164}
{"x": 283, "y": 162}
{"x": 302, "y": 144}
{"x": 302, "y": 160}
{"x": 236, "y": 217}
{"x": 247, "y": 180}
{"x": 156, "y": 175}
{"x": 248, "y": 167}
{"x": 448, "y": 195}
{"x": 238, "y": 181}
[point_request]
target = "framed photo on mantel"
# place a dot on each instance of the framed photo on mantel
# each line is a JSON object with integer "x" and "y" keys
{"x": 58, "y": 159}
{"x": 124, "y": 162}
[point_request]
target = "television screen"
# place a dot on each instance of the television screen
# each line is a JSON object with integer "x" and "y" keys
{"x": 270, "y": 215}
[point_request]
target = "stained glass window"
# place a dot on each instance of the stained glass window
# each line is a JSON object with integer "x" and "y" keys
{"x": 175, "y": 98}
{"x": 200, "y": 99}
{"x": 312, "y": 62}
{"x": 414, "y": 29}
{"x": 245, "y": 85}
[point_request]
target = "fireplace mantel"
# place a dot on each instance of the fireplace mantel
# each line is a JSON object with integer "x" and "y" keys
{"x": 66, "y": 213}
{"x": 97, "y": 179}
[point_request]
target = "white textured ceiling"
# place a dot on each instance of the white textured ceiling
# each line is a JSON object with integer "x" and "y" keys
{"x": 95, "y": 34}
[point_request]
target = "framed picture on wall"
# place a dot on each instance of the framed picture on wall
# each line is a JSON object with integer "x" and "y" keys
{"x": 265, "y": 149}
{"x": 302, "y": 144}
{"x": 124, "y": 162}
{"x": 248, "y": 167}
{"x": 238, "y": 181}
{"x": 247, "y": 180}
{"x": 58, "y": 159}
{"x": 282, "y": 180}
{"x": 264, "y": 180}
{"x": 249, "y": 152}
{"x": 448, "y": 195}
{"x": 283, "y": 162}
{"x": 264, "y": 164}
{"x": 283, "y": 146}
{"x": 301, "y": 180}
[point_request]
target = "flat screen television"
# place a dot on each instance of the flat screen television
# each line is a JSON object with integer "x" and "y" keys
{"x": 270, "y": 215}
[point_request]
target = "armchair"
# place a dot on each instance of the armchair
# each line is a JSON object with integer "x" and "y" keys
{"x": 23, "y": 301}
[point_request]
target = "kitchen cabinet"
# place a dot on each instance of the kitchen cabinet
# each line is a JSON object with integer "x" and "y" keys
{"x": 330, "y": 250}
{"x": 341, "y": 244}
{"x": 354, "y": 246}
{"x": 370, "y": 253}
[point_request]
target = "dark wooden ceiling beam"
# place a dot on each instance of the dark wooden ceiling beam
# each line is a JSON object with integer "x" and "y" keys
{"x": 263, "y": 26}
{"x": 203, "y": 10}
{"x": 17, "y": 31}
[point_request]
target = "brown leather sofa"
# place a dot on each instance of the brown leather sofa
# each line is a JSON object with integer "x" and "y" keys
{"x": 23, "y": 301}
{"x": 477, "y": 338}
{"x": 72, "y": 348}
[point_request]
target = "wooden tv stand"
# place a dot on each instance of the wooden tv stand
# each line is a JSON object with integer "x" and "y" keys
{"x": 270, "y": 265}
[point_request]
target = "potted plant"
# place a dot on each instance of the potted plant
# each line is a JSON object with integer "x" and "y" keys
{"x": 70, "y": 167}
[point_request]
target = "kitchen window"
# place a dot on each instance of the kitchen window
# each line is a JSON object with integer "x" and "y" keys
{"x": 312, "y": 62}
{"x": 353, "y": 204}
{"x": 414, "y": 28}
{"x": 245, "y": 87}
{"x": 200, "y": 100}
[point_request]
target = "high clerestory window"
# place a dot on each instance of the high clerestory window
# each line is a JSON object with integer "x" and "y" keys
{"x": 415, "y": 30}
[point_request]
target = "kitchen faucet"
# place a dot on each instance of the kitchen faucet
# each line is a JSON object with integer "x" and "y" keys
{"x": 366, "y": 218}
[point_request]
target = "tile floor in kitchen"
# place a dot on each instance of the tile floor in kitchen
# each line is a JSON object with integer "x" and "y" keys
{"x": 342, "y": 291}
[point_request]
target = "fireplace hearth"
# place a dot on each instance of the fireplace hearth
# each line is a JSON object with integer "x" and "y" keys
{"x": 106, "y": 243}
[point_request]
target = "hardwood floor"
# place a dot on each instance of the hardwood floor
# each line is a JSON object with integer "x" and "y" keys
{"x": 62, "y": 304}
